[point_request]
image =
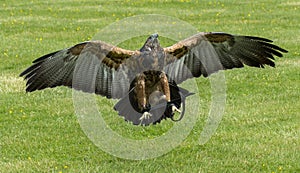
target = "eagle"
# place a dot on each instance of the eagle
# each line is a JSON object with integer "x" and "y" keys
{"x": 146, "y": 80}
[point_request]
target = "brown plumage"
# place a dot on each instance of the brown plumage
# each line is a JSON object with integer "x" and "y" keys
{"x": 146, "y": 80}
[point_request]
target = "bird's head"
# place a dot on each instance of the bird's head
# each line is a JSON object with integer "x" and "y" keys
{"x": 151, "y": 44}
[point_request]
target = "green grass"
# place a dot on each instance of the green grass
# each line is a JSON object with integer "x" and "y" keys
{"x": 258, "y": 133}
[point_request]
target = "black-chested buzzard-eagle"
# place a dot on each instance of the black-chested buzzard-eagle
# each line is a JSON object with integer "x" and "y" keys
{"x": 146, "y": 80}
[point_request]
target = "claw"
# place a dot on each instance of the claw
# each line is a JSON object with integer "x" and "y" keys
{"x": 146, "y": 115}
{"x": 174, "y": 108}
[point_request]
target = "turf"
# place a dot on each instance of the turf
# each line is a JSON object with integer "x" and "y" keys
{"x": 259, "y": 131}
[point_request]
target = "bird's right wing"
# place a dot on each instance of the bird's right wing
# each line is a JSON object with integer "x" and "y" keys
{"x": 94, "y": 67}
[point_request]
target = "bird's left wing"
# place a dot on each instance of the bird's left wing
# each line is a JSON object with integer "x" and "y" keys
{"x": 208, "y": 52}
{"x": 94, "y": 67}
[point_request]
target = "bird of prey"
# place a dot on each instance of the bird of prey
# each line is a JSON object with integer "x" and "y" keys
{"x": 146, "y": 80}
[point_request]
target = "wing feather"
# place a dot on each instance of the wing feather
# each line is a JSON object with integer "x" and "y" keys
{"x": 208, "y": 52}
{"x": 94, "y": 67}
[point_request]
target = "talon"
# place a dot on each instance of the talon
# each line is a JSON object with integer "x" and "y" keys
{"x": 146, "y": 115}
{"x": 174, "y": 108}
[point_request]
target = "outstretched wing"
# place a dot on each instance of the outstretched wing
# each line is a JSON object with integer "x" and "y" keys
{"x": 94, "y": 67}
{"x": 207, "y": 53}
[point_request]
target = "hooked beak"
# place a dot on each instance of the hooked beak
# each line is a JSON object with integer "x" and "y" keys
{"x": 154, "y": 36}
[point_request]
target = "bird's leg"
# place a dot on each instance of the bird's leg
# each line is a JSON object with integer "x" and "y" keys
{"x": 141, "y": 96}
{"x": 165, "y": 86}
{"x": 140, "y": 91}
{"x": 166, "y": 90}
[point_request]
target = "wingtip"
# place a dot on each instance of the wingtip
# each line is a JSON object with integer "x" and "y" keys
{"x": 259, "y": 38}
{"x": 29, "y": 90}
{"x": 21, "y": 74}
{"x": 284, "y": 50}
{"x": 44, "y": 57}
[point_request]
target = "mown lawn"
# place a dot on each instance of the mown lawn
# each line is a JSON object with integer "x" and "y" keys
{"x": 259, "y": 131}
